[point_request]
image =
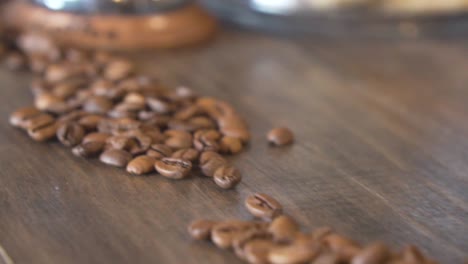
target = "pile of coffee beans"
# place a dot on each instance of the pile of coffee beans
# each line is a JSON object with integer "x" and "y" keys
{"x": 276, "y": 238}
{"x": 100, "y": 106}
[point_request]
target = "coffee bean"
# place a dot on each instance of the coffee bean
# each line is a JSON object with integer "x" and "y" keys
{"x": 160, "y": 106}
{"x": 70, "y": 134}
{"x": 373, "y": 254}
{"x": 96, "y": 137}
{"x": 411, "y": 254}
{"x": 97, "y": 105}
{"x": 38, "y": 121}
{"x": 159, "y": 151}
{"x": 181, "y": 126}
{"x": 187, "y": 112}
{"x": 173, "y": 168}
{"x": 224, "y": 233}
{"x": 119, "y": 142}
{"x": 90, "y": 122}
{"x": 141, "y": 165}
{"x": 344, "y": 247}
{"x": 20, "y": 117}
{"x": 227, "y": 177}
{"x": 328, "y": 258}
{"x": 115, "y": 157}
{"x": 256, "y": 252}
{"x": 280, "y": 136}
{"x": 263, "y": 206}
{"x": 210, "y": 161}
{"x": 106, "y": 88}
{"x": 118, "y": 125}
{"x": 186, "y": 154}
{"x": 118, "y": 69}
{"x": 201, "y": 229}
{"x": 239, "y": 242}
{"x": 44, "y": 132}
{"x": 88, "y": 149}
{"x": 234, "y": 126}
{"x": 178, "y": 139}
{"x": 206, "y": 140}
{"x": 59, "y": 72}
{"x": 230, "y": 145}
{"x": 284, "y": 229}
{"x": 300, "y": 251}
{"x": 321, "y": 233}
{"x": 49, "y": 102}
{"x": 201, "y": 122}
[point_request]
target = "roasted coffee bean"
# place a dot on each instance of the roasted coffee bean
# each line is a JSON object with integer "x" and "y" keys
{"x": 207, "y": 134}
{"x": 201, "y": 122}
{"x": 256, "y": 252}
{"x": 328, "y": 258}
{"x": 227, "y": 177}
{"x": 48, "y": 102}
{"x": 181, "y": 126}
{"x": 300, "y": 251}
{"x": 119, "y": 142}
{"x": 230, "y": 145}
{"x": 141, "y": 165}
{"x": 70, "y": 134}
{"x": 115, "y": 157}
{"x": 178, "y": 139}
{"x": 43, "y": 132}
{"x": 59, "y": 72}
{"x": 284, "y": 229}
{"x": 118, "y": 69}
{"x": 90, "y": 122}
{"x": 38, "y": 121}
{"x": 135, "y": 99}
{"x": 201, "y": 229}
{"x": 263, "y": 206}
{"x": 88, "y": 149}
{"x": 344, "y": 247}
{"x": 173, "y": 168}
{"x": 211, "y": 161}
{"x": 373, "y": 254}
{"x": 187, "y": 112}
{"x": 20, "y": 117}
{"x": 159, "y": 151}
{"x": 321, "y": 233}
{"x": 234, "y": 126}
{"x": 239, "y": 242}
{"x": 107, "y": 89}
{"x": 186, "y": 154}
{"x": 119, "y": 125}
{"x": 224, "y": 233}
{"x": 97, "y": 105}
{"x": 206, "y": 140}
{"x": 15, "y": 61}
{"x": 280, "y": 136}
{"x": 96, "y": 137}
{"x": 140, "y": 142}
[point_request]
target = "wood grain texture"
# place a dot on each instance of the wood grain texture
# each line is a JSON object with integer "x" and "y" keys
{"x": 381, "y": 154}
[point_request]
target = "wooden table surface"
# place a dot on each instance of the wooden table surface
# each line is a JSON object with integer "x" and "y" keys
{"x": 381, "y": 154}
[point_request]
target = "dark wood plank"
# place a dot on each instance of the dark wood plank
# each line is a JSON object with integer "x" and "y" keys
{"x": 381, "y": 154}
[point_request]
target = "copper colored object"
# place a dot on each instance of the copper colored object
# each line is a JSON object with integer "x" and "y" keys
{"x": 183, "y": 26}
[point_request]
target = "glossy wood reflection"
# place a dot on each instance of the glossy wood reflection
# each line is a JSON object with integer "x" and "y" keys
{"x": 380, "y": 154}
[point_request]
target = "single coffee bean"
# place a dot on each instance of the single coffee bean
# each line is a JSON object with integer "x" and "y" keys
{"x": 344, "y": 247}
{"x": 223, "y": 233}
{"x": 59, "y": 72}
{"x": 118, "y": 69}
{"x": 201, "y": 229}
{"x": 207, "y": 134}
{"x": 43, "y": 132}
{"x": 141, "y": 165}
{"x": 280, "y": 136}
{"x": 20, "y": 116}
{"x": 239, "y": 242}
{"x": 106, "y": 88}
{"x": 227, "y": 177}
{"x": 187, "y": 112}
{"x": 70, "y": 134}
{"x": 256, "y": 252}
{"x": 159, "y": 151}
{"x": 284, "y": 229}
{"x": 263, "y": 206}
{"x": 115, "y": 157}
{"x": 90, "y": 122}
{"x": 68, "y": 88}
{"x": 206, "y": 140}
{"x": 186, "y": 154}
{"x": 38, "y": 121}
{"x": 178, "y": 139}
{"x": 48, "y": 101}
{"x": 234, "y": 126}
{"x": 230, "y": 145}
{"x": 202, "y": 122}
{"x": 88, "y": 149}
{"x": 97, "y": 105}
{"x": 121, "y": 142}
{"x": 173, "y": 168}
{"x": 96, "y": 137}
{"x": 300, "y": 251}
{"x": 210, "y": 161}
{"x": 373, "y": 254}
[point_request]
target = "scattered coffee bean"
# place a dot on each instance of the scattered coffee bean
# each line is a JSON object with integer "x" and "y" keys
{"x": 230, "y": 145}
{"x": 300, "y": 251}
{"x": 173, "y": 168}
{"x": 284, "y": 229}
{"x": 227, "y": 177}
{"x": 115, "y": 157}
{"x": 118, "y": 70}
{"x": 210, "y": 161}
{"x": 256, "y": 252}
{"x": 374, "y": 253}
{"x": 263, "y": 206}
{"x": 44, "y": 132}
{"x": 186, "y": 154}
{"x": 70, "y": 134}
{"x": 201, "y": 229}
{"x": 178, "y": 139}
{"x": 223, "y": 234}
{"x": 159, "y": 151}
{"x": 88, "y": 149}
{"x": 280, "y": 136}
{"x": 345, "y": 247}
{"x": 141, "y": 165}
{"x": 20, "y": 117}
